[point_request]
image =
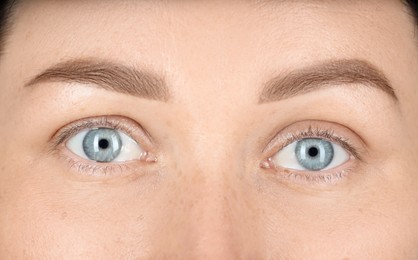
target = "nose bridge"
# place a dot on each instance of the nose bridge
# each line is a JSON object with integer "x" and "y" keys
{"x": 208, "y": 153}
{"x": 212, "y": 223}
{"x": 208, "y": 159}
{"x": 213, "y": 185}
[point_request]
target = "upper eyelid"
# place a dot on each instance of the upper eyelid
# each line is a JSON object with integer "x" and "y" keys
{"x": 121, "y": 123}
{"x": 329, "y": 136}
{"x": 315, "y": 128}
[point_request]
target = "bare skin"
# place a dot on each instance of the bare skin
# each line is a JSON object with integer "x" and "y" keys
{"x": 206, "y": 185}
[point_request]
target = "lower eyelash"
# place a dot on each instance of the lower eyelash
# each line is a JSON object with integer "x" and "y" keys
{"x": 305, "y": 177}
{"x": 95, "y": 169}
{"x": 319, "y": 178}
{"x": 106, "y": 169}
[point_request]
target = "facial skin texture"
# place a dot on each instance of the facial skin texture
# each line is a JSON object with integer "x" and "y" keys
{"x": 210, "y": 193}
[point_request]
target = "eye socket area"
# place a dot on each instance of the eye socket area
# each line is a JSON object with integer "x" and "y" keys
{"x": 105, "y": 145}
{"x": 311, "y": 154}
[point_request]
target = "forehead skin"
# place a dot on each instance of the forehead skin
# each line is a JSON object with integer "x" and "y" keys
{"x": 207, "y": 201}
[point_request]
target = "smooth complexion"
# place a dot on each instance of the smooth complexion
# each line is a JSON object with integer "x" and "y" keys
{"x": 210, "y": 92}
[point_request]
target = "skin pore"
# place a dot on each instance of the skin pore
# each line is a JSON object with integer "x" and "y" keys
{"x": 212, "y": 93}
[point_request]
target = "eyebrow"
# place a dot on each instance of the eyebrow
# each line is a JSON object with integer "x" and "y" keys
{"x": 326, "y": 74}
{"x": 106, "y": 75}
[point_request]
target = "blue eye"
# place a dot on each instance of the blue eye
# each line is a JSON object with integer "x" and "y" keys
{"x": 104, "y": 145}
{"x": 311, "y": 154}
{"x": 314, "y": 154}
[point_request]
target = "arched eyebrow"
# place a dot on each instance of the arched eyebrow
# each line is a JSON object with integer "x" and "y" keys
{"x": 324, "y": 75}
{"x": 106, "y": 75}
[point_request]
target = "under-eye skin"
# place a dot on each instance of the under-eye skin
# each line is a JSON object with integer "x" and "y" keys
{"x": 104, "y": 146}
{"x": 314, "y": 152}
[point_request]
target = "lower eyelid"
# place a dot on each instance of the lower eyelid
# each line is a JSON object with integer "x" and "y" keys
{"x": 315, "y": 179}
{"x": 83, "y": 168}
{"x": 309, "y": 177}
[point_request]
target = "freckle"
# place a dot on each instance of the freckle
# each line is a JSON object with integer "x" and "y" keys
{"x": 234, "y": 195}
{"x": 141, "y": 217}
{"x": 180, "y": 173}
{"x": 247, "y": 204}
{"x": 193, "y": 204}
{"x": 64, "y": 215}
{"x": 195, "y": 179}
{"x": 360, "y": 210}
{"x": 226, "y": 199}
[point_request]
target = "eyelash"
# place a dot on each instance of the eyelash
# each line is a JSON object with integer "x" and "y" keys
{"x": 102, "y": 169}
{"x": 131, "y": 128}
{"x": 310, "y": 177}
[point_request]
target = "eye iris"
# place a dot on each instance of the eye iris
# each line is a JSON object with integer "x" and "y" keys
{"x": 102, "y": 144}
{"x": 314, "y": 154}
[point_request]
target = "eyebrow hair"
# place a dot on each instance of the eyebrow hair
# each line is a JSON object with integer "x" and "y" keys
{"x": 326, "y": 74}
{"x": 106, "y": 75}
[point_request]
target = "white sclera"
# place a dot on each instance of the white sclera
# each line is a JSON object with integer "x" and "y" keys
{"x": 130, "y": 149}
{"x": 286, "y": 158}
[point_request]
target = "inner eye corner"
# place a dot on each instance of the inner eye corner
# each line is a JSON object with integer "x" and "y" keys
{"x": 267, "y": 164}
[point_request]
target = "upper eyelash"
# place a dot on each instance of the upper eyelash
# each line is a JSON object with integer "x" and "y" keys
{"x": 327, "y": 134}
{"x": 73, "y": 129}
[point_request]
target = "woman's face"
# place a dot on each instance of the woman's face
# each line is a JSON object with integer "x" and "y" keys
{"x": 209, "y": 130}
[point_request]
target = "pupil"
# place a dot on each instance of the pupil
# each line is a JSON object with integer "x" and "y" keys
{"x": 103, "y": 144}
{"x": 313, "y": 151}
